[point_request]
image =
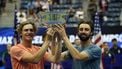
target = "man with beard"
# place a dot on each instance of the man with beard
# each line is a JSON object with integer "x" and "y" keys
{"x": 88, "y": 55}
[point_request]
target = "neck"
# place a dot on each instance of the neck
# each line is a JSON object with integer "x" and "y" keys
{"x": 85, "y": 43}
{"x": 27, "y": 43}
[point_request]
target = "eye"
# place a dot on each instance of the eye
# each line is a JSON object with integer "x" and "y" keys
{"x": 31, "y": 30}
{"x": 81, "y": 29}
{"x": 86, "y": 29}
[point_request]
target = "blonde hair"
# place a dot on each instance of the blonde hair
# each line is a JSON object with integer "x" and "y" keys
{"x": 21, "y": 25}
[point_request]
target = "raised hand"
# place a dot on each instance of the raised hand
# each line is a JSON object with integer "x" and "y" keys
{"x": 59, "y": 28}
{"x": 50, "y": 31}
{"x": 49, "y": 34}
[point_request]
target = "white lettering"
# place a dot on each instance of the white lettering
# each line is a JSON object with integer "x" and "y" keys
{"x": 120, "y": 38}
{"x": 72, "y": 38}
{"x": 0, "y": 40}
{"x": 38, "y": 39}
{"x": 106, "y": 38}
{"x": 4, "y": 40}
{"x": 9, "y": 40}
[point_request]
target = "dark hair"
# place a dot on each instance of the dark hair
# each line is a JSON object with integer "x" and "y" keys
{"x": 114, "y": 39}
{"x": 21, "y": 25}
{"x": 104, "y": 42}
{"x": 87, "y": 22}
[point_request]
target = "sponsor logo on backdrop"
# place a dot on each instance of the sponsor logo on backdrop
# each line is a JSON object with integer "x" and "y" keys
{"x": 38, "y": 39}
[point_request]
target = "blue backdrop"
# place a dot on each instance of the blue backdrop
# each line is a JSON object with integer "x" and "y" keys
{"x": 6, "y": 35}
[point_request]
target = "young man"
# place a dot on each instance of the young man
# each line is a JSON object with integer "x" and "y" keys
{"x": 27, "y": 56}
{"x": 115, "y": 49}
{"x": 88, "y": 55}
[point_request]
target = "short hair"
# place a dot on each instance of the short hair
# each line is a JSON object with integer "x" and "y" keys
{"x": 104, "y": 42}
{"x": 87, "y": 22}
{"x": 114, "y": 39}
{"x": 21, "y": 25}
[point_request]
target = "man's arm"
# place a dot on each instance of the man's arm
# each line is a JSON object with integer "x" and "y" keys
{"x": 74, "y": 52}
{"x": 28, "y": 57}
{"x": 55, "y": 49}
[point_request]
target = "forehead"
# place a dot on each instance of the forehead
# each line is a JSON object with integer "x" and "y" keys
{"x": 84, "y": 26}
{"x": 27, "y": 26}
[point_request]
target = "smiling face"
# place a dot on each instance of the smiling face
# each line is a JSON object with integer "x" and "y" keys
{"x": 27, "y": 32}
{"x": 84, "y": 32}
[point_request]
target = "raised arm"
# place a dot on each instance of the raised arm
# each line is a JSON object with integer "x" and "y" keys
{"x": 28, "y": 57}
{"x": 73, "y": 51}
{"x": 55, "y": 49}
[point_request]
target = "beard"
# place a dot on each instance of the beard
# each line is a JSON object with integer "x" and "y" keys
{"x": 84, "y": 37}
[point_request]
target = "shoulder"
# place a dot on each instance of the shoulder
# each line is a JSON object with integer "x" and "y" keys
{"x": 94, "y": 51}
{"x": 95, "y": 47}
{"x": 16, "y": 48}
